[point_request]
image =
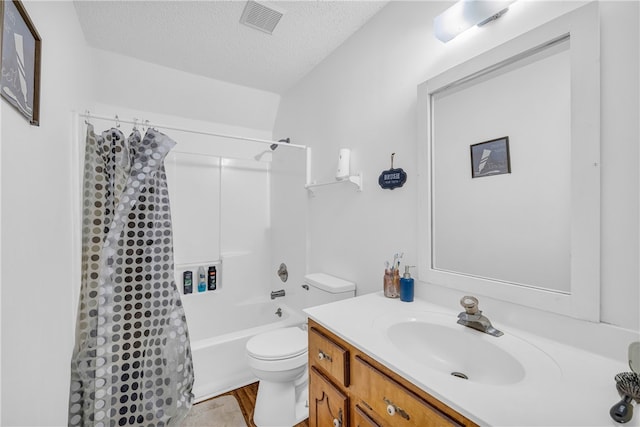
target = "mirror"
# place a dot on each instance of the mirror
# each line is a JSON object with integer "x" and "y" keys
{"x": 529, "y": 234}
{"x": 505, "y": 226}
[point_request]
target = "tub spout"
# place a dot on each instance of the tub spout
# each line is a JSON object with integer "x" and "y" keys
{"x": 276, "y": 294}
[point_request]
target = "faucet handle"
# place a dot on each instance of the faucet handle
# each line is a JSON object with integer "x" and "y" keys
{"x": 470, "y": 304}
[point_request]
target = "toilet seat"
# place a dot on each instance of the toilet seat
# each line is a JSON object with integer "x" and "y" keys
{"x": 285, "y": 343}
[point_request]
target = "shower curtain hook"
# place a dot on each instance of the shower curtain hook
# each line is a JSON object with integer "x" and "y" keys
{"x": 117, "y": 122}
{"x": 146, "y": 125}
{"x": 135, "y": 124}
{"x": 87, "y": 117}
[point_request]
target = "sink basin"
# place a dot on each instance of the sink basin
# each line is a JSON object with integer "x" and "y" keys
{"x": 437, "y": 342}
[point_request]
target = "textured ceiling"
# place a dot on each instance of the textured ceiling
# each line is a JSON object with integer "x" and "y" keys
{"x": 206, "y": 38}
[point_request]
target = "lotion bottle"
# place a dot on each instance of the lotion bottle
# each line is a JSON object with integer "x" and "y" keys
{"x": 406, "y": 285}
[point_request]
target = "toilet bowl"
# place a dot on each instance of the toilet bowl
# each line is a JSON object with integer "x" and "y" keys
{"x": 279, "y": 359}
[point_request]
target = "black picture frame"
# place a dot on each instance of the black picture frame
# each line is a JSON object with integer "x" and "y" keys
{"x": 20, "y": 59}
{"x": 490, "y": 158}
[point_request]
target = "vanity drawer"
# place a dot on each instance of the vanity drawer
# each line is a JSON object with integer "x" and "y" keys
{"x": 362, "y": 419}
{"x": 394, "y": 404}
{"x": 328, "y": 355}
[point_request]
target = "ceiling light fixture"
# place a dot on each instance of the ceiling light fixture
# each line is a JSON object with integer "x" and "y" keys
{"x": 465, "y": 14}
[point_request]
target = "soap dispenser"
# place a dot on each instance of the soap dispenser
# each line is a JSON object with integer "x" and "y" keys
{"x": 406, "y": 285}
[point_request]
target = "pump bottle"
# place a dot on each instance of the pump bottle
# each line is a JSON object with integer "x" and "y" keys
{"x": 406, "y": 285}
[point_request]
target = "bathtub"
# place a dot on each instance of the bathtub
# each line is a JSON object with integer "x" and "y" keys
{"x": 219, "y": 334}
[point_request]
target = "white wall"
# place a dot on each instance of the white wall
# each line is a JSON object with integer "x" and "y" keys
{"x": 167, "y": 91}
{"x": 36, "y": 228}
{"x": 364, "y": 97}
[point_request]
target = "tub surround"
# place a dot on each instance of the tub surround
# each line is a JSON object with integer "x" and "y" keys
{"x": 576, "y": 389}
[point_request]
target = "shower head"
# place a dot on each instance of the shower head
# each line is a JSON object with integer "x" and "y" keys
{"x": 274, "y": 146}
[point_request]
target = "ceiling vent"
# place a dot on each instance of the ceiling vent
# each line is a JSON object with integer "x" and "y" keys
{"x": 260, "y": 16}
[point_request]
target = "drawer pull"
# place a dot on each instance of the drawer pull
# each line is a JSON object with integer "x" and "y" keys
{"x": 323, "y": 356}
{"x": 392, "y": 409}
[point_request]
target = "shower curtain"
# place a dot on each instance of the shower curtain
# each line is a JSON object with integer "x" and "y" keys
{"x": 131, "y": 362}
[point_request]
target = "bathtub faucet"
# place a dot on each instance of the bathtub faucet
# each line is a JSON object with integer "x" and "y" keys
{"x": 275, "y": 294}
{"x": 279, "y": 312}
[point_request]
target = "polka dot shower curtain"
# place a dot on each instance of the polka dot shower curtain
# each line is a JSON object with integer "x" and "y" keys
{"x": 131, "y": 362}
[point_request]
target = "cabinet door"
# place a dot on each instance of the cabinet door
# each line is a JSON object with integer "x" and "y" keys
{"x": 328, "y": 405}
{"x": 392, "y": 402}
{"x": 361, "y": 419}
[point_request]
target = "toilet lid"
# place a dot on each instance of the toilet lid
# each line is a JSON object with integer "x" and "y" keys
{"x": 278, "y": 344}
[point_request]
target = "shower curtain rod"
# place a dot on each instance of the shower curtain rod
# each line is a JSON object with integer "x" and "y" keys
{"x": 146, "y": 123}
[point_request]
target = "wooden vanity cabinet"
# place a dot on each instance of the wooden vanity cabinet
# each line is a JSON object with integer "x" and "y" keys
{"x": 347, "y": 388}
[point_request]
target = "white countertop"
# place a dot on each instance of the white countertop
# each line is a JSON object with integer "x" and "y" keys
{"x": 578, "y": 390}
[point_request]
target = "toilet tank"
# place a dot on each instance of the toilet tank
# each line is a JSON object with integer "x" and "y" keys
{"x": 324, "y": 288}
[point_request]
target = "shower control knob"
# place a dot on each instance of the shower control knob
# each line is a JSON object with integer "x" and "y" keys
{"x": 282, "y": 272}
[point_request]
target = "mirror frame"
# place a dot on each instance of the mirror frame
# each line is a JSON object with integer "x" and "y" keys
{"x": 582, "y": 26}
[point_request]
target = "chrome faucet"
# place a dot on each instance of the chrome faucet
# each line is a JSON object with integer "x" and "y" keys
{"x": 275, "y": 294}
{"x": 473, "y": 318}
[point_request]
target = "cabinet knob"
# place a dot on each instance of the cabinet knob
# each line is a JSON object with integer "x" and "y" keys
{"x": 392, "y": 409}
{"x": 323, "y": 356}
{"x": 337, "y": 422}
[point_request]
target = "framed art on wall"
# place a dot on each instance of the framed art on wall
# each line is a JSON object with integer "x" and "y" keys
{"x": 20, "y": 45}
{"x": 490, "y": 158}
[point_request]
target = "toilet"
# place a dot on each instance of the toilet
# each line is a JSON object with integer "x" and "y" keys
{"x": 279, "y": 359}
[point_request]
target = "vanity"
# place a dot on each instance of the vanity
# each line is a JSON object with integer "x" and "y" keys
{"x": 375, "y": 361}
{"x": 349, "y": 388}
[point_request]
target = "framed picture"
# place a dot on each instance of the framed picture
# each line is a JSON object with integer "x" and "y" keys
{"x": 490, "y": 158}
{"x": 20, "y": 46}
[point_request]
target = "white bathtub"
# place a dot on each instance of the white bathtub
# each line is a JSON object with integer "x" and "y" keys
{"x": 219, "y": 334}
